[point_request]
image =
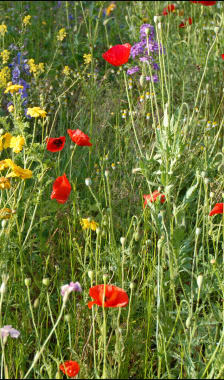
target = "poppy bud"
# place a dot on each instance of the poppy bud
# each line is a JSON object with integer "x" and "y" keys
{"x": 199, "y": 281}
{"x": 122, "y": 240}
{"x": 206, "y": 181}
{"x": 211, "y": 194}
{"x": 2, "y": 288}
{"x": 188, "y": 322}
{"x": 132, "y": 285}
{"x": 137, "y": 236}
{"x": 90, "y": 274}
{"x": 4, "y": 222}
{"x": 45, "y": 281}
{"x": 212, "y": 261}
{"x": 36, "y": 303}
{"x": 106, "y": 173}
{"x": 197, "y": 231}
{"x": 68, "y": 318}
{"x": 88, "y": 181}
{"x": 104, "y": 277}
{"x": 27, "y": 281}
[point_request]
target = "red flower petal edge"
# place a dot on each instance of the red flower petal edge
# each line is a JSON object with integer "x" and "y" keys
{"x": 114, "y": 296}
{"x": 205, "y": 2}
{"x": 79, "y": 137}
{"x": 70, "y": 368}
{"x": 168, "y": 9}
{"x": 117, "y": 55}
{"x": 61, "y": 189}
{"x": 218, "y": 209}
{"x": 55, "y": 144}
{"x": 183, "y": 24}
{"x": 222, "y": 56}
{"x": 153, "y": 197}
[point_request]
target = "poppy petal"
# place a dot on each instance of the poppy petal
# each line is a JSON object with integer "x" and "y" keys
{"x": 218, "y": 209}
{"x": 117, "y": 55}
{"x": 79, "y": 137}
{"x": 61, "y": 189}
{"x": 114, "y": 296}
{"x": 55, "y": 144}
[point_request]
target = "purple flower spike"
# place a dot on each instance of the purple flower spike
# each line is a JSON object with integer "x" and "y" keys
{"x": 9, "y": 330}
{"x": 133, "y": 70}
{"x": 72, "y": 287}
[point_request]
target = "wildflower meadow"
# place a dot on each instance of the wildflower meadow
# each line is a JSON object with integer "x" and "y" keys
{"x": 112, "y": 189}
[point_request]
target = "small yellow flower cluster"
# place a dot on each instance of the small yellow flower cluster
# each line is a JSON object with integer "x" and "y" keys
{"x": 37, "y": 69}
{"x": 3, "y": 29}
{"x": 4, "y": 183}
{"x": 17, "y": 171}
{"x": 87, "y": 59}
{"x": 26, "y": 20}
{"x": 4, "y": 76}
{"x": 211, "y": 125}
{"x": 10, "y": 108}
{"x": 13, "y": 88}
{"x": 6, "y": 213}
{"x": 36, "y": 112}
{"x": 66, "y": 71}
{"x": 87, "y": 223}
{"x": 110, "y": 8}
{"x": 9, "y": 141}
{"x": 5, "y": 56}
{"x": 148, "y": 116}
{"x": 61, "y": 34}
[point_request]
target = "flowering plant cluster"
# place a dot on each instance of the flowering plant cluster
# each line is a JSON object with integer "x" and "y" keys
{"x": 145, "y": 50}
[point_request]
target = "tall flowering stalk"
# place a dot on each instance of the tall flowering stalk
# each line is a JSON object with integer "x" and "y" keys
{"x": 144, "y": 51}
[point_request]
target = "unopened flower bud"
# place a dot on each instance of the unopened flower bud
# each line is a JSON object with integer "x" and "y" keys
{"x": 198, "y": 231}
{"x": 45, "y": 281}
{"x": 122, "y": 240}
{"x": 199, "y": 281}
{"x": 88, "y": 181}
{"x": 213, "y": 261}
{"x": 90, "y": 274}
{"x": 27, "y": 281}
{"x": 106, "y": 173}
{"x": 206, "y": 181}
{"x": 132, "y": 285}
{"x": 141, "y": 80}
{"x": 2, "y": 288}
{"x": 36, "y": 303}
{"x": 4, "y": 222}
{"x": 104, "y": 277}
{"x": 67, "y": 317}
{"x": 216, "y": 29}
{"x": 159, "y": 25}
{"x": 188, "y": 322}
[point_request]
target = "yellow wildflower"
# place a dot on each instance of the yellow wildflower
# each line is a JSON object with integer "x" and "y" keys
{"x": 36, "y": 112}
{"x": 87, "y": 58}
{"x": 66, "y": 71}
{"x": 86, "y": 224}
{"x": 17, "y": 171}
{"x": 61, "y": 34}
{"x": 44, "y": 22}
{"x": 6, "y": 138}
{"x": 16, "y": 143}
{"x": 110, "y": 8}
{"x": 26, "y": 20}
{"x": 4, "y": 76}
{"x": 36, "y": 68}
{"x": 13, "y": 88}
{"x": 11, "y": 108}
{"x": 3, "y": 29}
{"x": 5, "y": 213}
{"x": 4, "y": 183}
{"x": 5, "y": 56}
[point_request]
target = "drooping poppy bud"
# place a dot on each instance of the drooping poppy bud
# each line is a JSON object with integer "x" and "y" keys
{"x": 117, "y": 55}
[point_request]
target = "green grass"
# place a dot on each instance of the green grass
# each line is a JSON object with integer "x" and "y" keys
{"x": 172, "y": 327}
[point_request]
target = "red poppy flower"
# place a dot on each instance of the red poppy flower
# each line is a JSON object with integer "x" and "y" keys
{"x": 183, "y": 24}
{"x": 117, "y": 55}
{"x": 78, "y": 137}
{"x": 205, "y": 2}
{"x": 114, "y": 296}
{"x": 222, "y": 56}
{"x": 153, "y": 197}
{"x": 55, "y": 144}
{"x": 168, "y": 9}
{"x": 61, "y": 189}
{"x": 70, "y": 368}
{"x": 218, "y": 209}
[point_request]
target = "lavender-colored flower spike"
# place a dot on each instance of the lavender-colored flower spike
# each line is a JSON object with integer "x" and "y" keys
{"x": 9, "y": 330}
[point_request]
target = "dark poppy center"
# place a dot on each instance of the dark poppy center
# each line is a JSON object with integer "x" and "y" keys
{"x": 58, "y": 143}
